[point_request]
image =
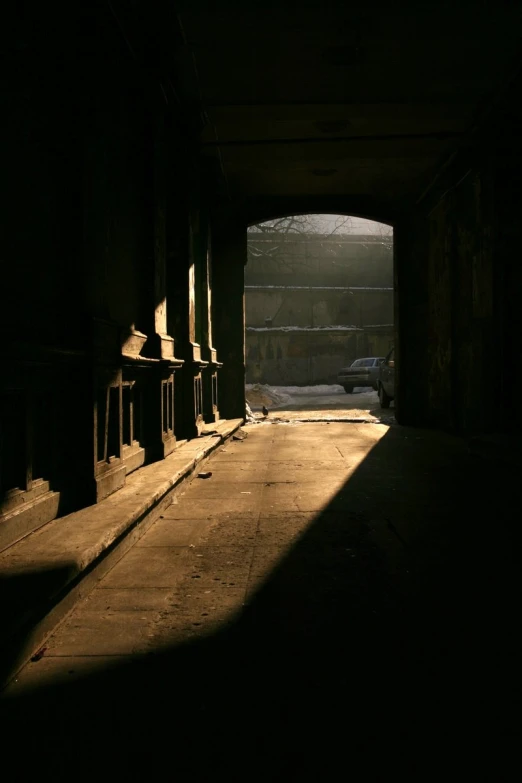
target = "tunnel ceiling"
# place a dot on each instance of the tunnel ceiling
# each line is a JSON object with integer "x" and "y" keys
{"x": 316, "y": 101}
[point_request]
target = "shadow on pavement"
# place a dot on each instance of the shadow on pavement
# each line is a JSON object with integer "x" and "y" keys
{"x": 18, "y": 609}
{"x": 383, "y": 644}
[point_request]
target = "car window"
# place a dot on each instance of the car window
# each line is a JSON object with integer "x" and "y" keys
{"x": 364, "y": 363}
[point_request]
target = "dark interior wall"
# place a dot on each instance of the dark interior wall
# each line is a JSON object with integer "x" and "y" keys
{"x": 118, "y": 159}
{"x": 177, "y": 253}
{"x": 439, "y": 313}
{"x": 118, "y": 189}
{"x": 76, "y": 170}
{"x": 40, "y": 243}
{"x": 459, "y": 281}
{"x": 411, "y": 237}
{"x": 474, "y": 330}
{"x": 80, "y": 158}
{"x": 508, "y": 282}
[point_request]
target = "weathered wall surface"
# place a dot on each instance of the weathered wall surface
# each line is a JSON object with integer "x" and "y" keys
{"x": 305, "y": 283}
{"x": 319, "y": 307}
{"x": 305, "y": 357}
{"x": 459, "y": 345}
{"x": 75, "y": 235}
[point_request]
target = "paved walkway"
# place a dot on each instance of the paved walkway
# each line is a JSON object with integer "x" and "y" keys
{"x": 335, "y": 600}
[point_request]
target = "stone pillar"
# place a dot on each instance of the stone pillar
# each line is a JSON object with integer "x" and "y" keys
{"x": 228, "y": 292}
{"x": 194, "y": 362}
{"x": 209, "y": 352}
{"x": 159, "y": 391}
{"x": 109, "y": 466}
{"x": 184, "y": 314}
{"x": 160, "y": 344}
{"x": 412, "y": 340}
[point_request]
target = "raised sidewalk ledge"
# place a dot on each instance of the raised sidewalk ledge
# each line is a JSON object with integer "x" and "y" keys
{"x": 45, "y": 574}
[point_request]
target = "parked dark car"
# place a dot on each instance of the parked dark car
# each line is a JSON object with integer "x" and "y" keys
{"x": 386, "y": 382}
{"x": 362, "y": 372}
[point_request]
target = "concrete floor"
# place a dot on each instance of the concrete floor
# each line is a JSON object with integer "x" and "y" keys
{"x": 336, "y": 600}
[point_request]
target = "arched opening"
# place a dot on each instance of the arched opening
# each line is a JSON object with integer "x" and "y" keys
{"x": 319, "y": 316}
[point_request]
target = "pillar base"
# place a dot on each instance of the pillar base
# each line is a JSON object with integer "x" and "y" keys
{"x": 133, "y": 457}
{"x": 210, "y": 387}
{"x": 109, "y": 479}
{"x": 159, "y": 410}
{"x": 22, "y": 512}
{"x": 161, "y": 449}
{"x": 191, "y": 411}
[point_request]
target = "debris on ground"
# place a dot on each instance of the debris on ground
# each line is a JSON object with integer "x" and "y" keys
{"x": 263, "y": 394}
{"x": 206, "y": 474}
{"x": 240, "y": 435}
{"x": 38, "y": 655}
{"x": 249, "y": 415}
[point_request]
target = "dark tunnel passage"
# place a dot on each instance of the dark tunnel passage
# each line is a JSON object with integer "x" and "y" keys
{"x": 141, "y": 141}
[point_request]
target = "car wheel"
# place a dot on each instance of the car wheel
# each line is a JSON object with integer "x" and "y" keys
{"x": 348, "y": 389}
{"x": 383, "y": 397}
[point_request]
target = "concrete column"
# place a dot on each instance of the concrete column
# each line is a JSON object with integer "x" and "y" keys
{"x": 228, "y": 290}
{"x": 159, "y": 389}
{"x": 507, "y": 286}
{"x": 412, "y": 341}
{"x": 209, "y": 352}
{"x": 195, "y": 362}
{"x": 184, "y": 313}
{"x": 160, "y": 345}
{"x": 108, "y": 463}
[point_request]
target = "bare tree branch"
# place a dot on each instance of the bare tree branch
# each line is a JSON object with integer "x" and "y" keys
{"x": 306, "y": 226}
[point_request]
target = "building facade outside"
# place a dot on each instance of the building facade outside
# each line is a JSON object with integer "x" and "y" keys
{"x": 315, "y": 303}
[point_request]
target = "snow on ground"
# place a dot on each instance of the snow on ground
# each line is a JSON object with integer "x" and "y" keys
{"x": 335, "y": 388}
{"x": 249, "y": 415}
{"x": 259, "y": 394}
{"x": 262, "y": 394}
{"x": 322, "y": 402}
